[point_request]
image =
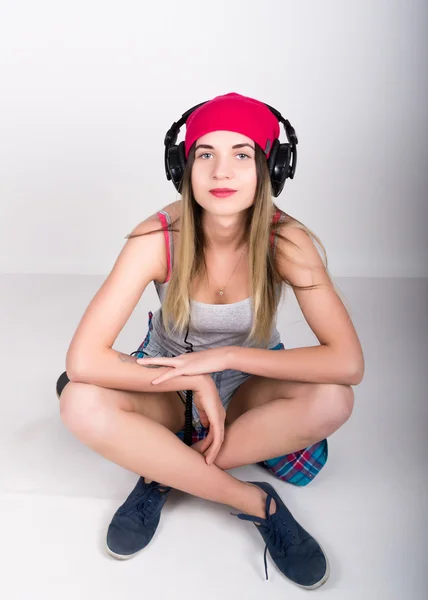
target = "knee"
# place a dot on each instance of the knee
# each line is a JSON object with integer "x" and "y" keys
{"x": 83, "y": 411}
{"x": 333, "y": 406}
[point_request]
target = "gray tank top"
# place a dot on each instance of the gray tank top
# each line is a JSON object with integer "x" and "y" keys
{"x": 211, "y": 325}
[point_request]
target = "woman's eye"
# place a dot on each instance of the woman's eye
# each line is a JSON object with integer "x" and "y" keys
{"x": 209, "y": 154}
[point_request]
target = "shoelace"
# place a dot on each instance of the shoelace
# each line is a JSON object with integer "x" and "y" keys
{"x": 145, "y": 506}
{"x": 270, "y": 527}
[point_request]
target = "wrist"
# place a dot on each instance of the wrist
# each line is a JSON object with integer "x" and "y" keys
{"x": 202, "y": 382}
{"x": 230, "y": 357}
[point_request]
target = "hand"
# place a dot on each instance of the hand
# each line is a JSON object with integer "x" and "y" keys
{"x": 212, "y": 415}
{"x": 192, "y": 363}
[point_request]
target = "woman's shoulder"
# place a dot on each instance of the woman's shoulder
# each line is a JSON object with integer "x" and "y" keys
{"x": 154, "y": 223}
{"x": 282, "y": 218}
{"x": 292, "y": 233}
{"x": 298, "y": 255}
{"x": 173, "y": 210}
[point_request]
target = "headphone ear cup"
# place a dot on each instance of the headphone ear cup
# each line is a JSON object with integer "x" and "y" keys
{"x": 182, "y": 156}
{"x": 175, "y": 160}
{"x": 280, "y": 168}
{"x": 272, "y": 156}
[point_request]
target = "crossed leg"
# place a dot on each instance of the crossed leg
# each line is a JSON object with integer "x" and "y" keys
{"x": 267, "y": 418}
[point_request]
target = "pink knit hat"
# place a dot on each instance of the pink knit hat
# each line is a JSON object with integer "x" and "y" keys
{"x": 233, "y": 112}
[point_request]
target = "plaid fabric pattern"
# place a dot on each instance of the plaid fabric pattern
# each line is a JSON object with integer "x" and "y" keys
{"x": 299, "y": 468}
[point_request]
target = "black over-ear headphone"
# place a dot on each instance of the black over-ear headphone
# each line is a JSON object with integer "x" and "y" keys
{"x": 281, "y": 162}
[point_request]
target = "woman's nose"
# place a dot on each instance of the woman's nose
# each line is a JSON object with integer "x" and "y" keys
{"x": 222, "y": 168}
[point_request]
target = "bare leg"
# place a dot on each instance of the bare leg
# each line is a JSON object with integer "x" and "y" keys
{"x": 283, "y": 426}
{"x": 277, "y": 428}
{"x": 146, "y": 447}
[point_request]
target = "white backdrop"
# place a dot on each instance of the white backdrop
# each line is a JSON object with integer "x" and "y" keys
{"x": 88, "y": 89}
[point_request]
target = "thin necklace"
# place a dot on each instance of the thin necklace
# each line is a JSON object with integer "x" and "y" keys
{"x": 220, "y": 291}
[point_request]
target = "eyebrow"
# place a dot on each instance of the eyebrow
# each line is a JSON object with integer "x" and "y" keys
{"x": 207, "y": 147}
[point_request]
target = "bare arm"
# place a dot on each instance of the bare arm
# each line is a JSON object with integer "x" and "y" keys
{"x": 90, "y": 357}
{"x": 112, "y": 369}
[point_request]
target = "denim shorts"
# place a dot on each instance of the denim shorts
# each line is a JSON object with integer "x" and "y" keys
{"x": 227, "y": 382}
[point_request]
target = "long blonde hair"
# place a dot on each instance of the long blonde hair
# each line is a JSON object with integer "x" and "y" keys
{"x": 266, "y": 284}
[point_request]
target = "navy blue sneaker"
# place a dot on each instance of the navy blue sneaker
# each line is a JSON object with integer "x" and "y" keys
{"x": 135, "y": 522}
{"x": 294, "y": 551}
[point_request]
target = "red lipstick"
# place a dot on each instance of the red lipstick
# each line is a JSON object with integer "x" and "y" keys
{"x": 222, "y": 192}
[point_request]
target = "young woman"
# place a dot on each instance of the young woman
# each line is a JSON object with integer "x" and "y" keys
{"x": 220, "y": 258}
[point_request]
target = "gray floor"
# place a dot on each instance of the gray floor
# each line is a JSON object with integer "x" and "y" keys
{"x": 367, "y": 507}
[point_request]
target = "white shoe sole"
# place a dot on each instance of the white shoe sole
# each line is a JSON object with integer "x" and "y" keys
{"x": 316, "y": 585}
{"x": 122, "y": 556}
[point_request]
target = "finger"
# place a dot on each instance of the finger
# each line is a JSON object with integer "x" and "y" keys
{"x": 214, "y": 450}
{"x": 166, "y": 376}
{"x": 215, "y": 447}
{"x": 203, "y": 417}
{"x": 211, "y": 456}
{"x": 158, "y": 360}
{"x": 207, "y": 442}
{"x": 212, "y": 453}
